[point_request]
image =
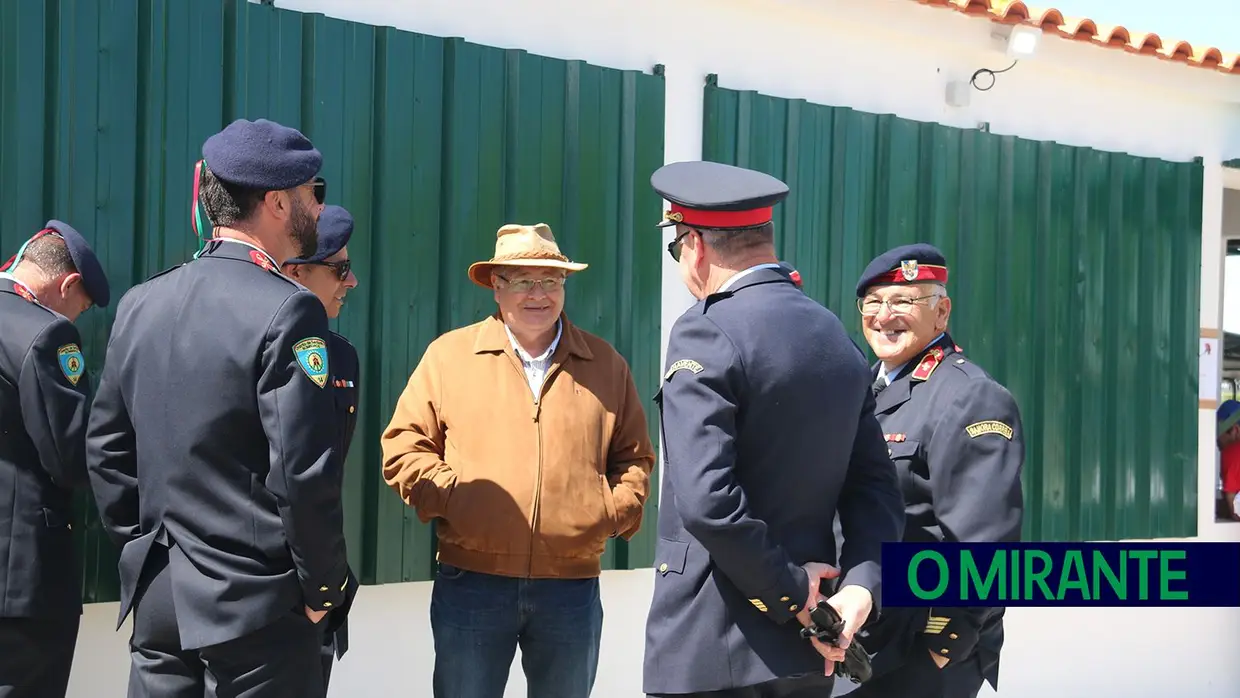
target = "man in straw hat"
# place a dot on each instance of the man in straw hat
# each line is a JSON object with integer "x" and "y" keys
{"x": 524, "y": 438}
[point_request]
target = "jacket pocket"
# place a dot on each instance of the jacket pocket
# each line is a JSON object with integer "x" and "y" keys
{"x": 609, "y": 506}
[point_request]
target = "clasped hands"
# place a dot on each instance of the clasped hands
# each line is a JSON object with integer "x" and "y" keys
{"x": 852, "y": 602}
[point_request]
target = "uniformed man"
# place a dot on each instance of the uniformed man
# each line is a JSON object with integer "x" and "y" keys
{"x": 44, "y": 393}
{"x": 769, "y": 431}
{"x": 213, "y": 448}
{"x": 955, "y": 436}
{"x": 328, "y": 274}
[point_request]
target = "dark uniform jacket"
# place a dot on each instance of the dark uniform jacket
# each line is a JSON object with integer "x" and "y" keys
{"x": 345, "y": 372}
{"x": 44, "y": 402}
{"x": 215, "y": 428}
{"x": 768, "y": 430}
{"x": 957, "y": 441}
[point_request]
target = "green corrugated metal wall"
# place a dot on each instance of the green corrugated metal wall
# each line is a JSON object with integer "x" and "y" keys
{"x": 431, "y": 143}
{"x": 1074, "y": 273}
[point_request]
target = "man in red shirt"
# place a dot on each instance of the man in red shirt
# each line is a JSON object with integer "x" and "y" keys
{"x": 1229, "y": 449}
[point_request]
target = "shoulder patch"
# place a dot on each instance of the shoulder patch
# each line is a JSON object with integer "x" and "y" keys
{"x": 683, "y": 365}
{"x": 311, "y": 355}
{"x": 989, "y": 427}
{"x": 72, "y": 364}
{"x": 928, "y": 363}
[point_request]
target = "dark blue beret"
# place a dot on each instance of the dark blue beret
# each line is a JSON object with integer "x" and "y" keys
{"x": 335, "y": 229}
{"x": 1228, "y": 415}
{"x": 262, "y": 155}
{"x": 907, "y": 264}
{"x": 85, "y": 261}
{"x": 715, "y": 195}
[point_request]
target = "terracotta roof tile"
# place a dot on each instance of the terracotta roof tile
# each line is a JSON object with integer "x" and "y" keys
{"x": 1052, "y": 21}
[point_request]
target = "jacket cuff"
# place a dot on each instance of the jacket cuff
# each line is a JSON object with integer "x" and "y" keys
{"x": 782, "y": 601}
{"x": 325, "y": 594}
{"x": 950, "y": 633}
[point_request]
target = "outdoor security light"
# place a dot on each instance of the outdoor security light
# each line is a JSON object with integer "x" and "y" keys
{"x": 1022, "y": 42}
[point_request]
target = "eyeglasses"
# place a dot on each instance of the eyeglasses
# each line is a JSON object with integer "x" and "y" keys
{"x": 341, "y": 268}
{"x": 673, "y": 247}
{"x": 320, "y": 189}
{"x": 548, "y": 284}
{"x": 870, "y": 307}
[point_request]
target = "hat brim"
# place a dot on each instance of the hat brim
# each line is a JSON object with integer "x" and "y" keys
{"x": 480, "y": 272}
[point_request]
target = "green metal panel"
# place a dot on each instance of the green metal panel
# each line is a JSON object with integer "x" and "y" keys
{"x": 431, "y": 143}
{"x": 1074, "y": 273}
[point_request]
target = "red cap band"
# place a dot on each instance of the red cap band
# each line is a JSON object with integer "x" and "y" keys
{"x": 912, "y": 275}
{"x": 720, "y": 219}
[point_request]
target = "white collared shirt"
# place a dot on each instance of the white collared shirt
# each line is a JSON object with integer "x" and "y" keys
{"x": 14, "y": 279}
{"x": 741, "y": 274}
{"x": 536, "y": 367}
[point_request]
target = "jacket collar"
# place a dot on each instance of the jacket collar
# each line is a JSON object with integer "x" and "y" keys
{"x": 758, "y": 277}
{"x": 493, "y": 338}
{"x": 919, "y": 371}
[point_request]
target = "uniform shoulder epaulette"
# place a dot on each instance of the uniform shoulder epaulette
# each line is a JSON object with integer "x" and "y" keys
{"x": 970, "y": 369}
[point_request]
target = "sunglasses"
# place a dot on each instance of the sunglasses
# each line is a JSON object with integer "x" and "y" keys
{"x": 320, "y": 189}
{"x": 673, "y": 247}
{"x": 341, "y": 268}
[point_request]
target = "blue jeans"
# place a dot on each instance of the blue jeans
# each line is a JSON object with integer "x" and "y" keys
{"x": 478, "y": 621}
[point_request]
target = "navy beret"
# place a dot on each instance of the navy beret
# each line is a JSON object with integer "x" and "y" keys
{"x": 262, "y": 155}
{"x": 85, "y": 261}
{"x": 718, "y": 196}
{"x": 908, "y": 264}
{"x": 335, "y": 229}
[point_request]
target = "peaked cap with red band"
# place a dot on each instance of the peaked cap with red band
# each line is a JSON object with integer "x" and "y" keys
{"x": 716, "y": 196}
{"x": 918, "y": 263}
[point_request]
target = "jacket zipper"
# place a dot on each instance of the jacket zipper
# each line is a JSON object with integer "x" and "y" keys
{"x": 551, "y": 371}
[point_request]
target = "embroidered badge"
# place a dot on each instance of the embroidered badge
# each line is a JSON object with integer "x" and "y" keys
{"x": 262, "y": 260}
{"x": 71, "y": 362}
{"x": 24, "y": 292}
{"x": 928, "y": 363}
{"x": 908, "y": 268}
{"x": 796, "y": 277}
{"x": 683, "y": 365}
{"x": 894, "y": 437}
{"x": 989, "y": 427}
{"x": 311, "y": 355}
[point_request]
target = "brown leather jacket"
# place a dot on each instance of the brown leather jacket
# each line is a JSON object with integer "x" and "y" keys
{"x": 521, "y": 488}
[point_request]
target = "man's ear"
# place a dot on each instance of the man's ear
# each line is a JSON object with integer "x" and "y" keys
{"x": 67, "y": 283}
{"x": 292, "y": 271}
{"x": 278, "y": 203}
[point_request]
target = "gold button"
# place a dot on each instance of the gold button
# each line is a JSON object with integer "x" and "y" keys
{"x": 944, "y": 651}
{"x": 784, "y": 598}
{"x": 327, "y": 604}
{"x": 323, "y": 588}
{"x": 793, "y": 607}
{"x": 954, "y": 636}
{"x": 350, "y": 409}
{"x": 663, "y": 567}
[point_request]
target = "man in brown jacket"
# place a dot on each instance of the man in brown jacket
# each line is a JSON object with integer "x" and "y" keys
{"x": 523, "y": 436}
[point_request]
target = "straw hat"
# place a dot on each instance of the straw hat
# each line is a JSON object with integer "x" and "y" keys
{"x": 522, "y": 246}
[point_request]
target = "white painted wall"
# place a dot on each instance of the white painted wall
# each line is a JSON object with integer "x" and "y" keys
{"x": 891, "y": 56}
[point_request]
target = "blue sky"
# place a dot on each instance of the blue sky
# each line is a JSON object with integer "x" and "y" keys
{"x": 1210, "y": 22}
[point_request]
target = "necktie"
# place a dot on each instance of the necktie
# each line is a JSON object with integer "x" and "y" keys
{"x": 880, "y": 384}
